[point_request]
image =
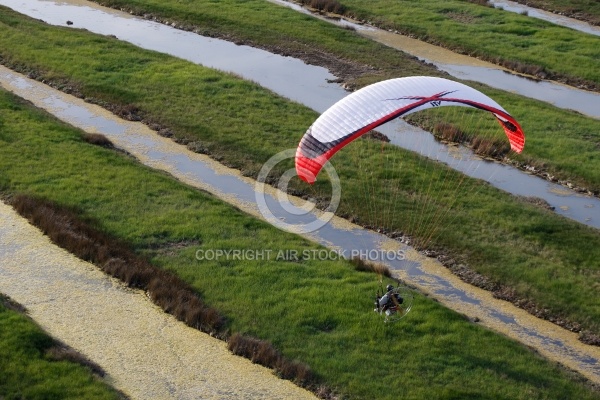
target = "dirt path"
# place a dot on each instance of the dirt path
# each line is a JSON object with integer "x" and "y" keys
{"x": 145, "y": 352}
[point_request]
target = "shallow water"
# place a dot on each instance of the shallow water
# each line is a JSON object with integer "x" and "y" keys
{"x": 343, "y": 238}
{"x": 285, "y": 75}
{"x": 309, "y": 85}
{"x": 547, "y": 16}
{"x": 579, "y": 207}
{"x": 469, "y": 68}
{"x": 503, "y": 4}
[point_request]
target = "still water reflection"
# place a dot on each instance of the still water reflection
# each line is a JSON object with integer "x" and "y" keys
{"x": 306, "y": 84}
{"x": 468, "y": 68}
{"x": 561, "y": 20}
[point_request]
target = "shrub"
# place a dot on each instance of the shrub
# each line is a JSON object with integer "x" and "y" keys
{"x": 98, "y": 139}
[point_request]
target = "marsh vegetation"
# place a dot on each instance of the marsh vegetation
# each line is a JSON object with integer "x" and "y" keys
{"x": 307, "y": 311}
{"x": 317, "y": 310}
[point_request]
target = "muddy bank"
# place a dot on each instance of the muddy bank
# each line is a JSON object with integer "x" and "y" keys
{"x": 508, "y": 294}
{"x": 499, "y": 151}
{"x": 532, "y": 70}
{"x": 145, "y": 352}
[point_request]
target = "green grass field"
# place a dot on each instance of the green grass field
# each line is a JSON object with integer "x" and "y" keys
{"x": 524, "y": 44}
{"x": 557, "y": 140}
{"x": 545, "y": 258}
{"x": 317, "y": 312}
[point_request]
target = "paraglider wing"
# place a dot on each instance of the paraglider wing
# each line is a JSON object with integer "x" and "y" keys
{"x": 376, "y": 104}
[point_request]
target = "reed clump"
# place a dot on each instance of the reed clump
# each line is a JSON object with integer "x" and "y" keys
{"x": 369, "y": 266}
{"x": 263, "y": 353}
{"x": 483, "y": 146}
{"x": 98, "y": 139}
{"x": 332, "y": 6}
{"x": 61, "y": 352}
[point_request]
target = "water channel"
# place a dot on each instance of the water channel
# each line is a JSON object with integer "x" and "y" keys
{"x": 310, "y": 85}
{"x": 339, "y": 235}
{"x": 547, "y": 16}
{"x": 506, "y": 5}
{"x": 468, "y": 68}
{"x": 276, "y": 73}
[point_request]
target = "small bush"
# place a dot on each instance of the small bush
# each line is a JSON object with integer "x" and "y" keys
{"x": 367, "y": 266}
{"x": 98, "y": 139}
{"x": 449, "y": 132}
{"x": 332, "y": 6}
